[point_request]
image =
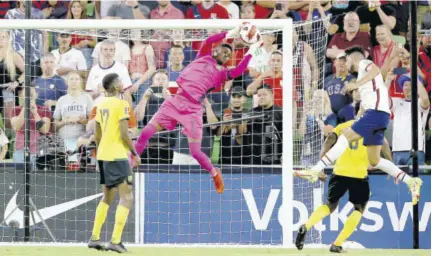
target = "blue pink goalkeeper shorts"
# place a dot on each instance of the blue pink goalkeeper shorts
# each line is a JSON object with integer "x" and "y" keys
{"x": 178, "y": 109}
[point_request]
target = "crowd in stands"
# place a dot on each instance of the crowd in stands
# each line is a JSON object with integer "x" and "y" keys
{"x": 67, "y": 70}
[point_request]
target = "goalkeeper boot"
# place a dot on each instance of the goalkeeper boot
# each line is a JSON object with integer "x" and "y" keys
{"x": 414, "y": 184}
{"x": 120, "y": 248}
{"x": 96, "y": 244}
{"x": 301, "y": 236}
{"x": 336, "y": 249}
{"x": 218, "y": 181}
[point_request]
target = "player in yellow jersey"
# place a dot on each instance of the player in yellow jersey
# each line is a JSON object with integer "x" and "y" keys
{"x": 350, "y": 173}
{"x": 113, "y": 147}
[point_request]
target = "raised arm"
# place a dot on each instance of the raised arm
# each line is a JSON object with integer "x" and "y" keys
{"x": 206, "y": 47}
{"x": 242, "y": 66}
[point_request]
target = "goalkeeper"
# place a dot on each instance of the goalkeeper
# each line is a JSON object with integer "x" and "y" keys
{"x": 350, "y": 173}
{"x": 198, "y": 79}
{"x": 113, "y": 142}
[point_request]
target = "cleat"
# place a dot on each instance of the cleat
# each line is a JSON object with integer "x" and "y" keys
{"x": 120, "y": 248}
{"x": 96, "y": 244}
{"x": 301, "y": 236}
{"x": 308, "y": 174}
{"x": 414, "y": 185}
{"x": 218, "y": 181}
{"x": 337, "y": 249}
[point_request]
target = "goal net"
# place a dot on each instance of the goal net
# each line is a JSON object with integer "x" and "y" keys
{"x": 255, "y": 139}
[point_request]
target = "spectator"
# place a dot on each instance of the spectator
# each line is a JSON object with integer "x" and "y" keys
{"x": 266, "y": 132}
{"x": 399, "y": 63}
{"x": 207, "y": 9}
{"x": 402, "y": 121}
{"x": 374, "y": 14}
{"x": 49, "y": 86}
{"x": 260, "y": 12}
{"x": 188, "y": 53}
{"x": 282, "y": 11}
{"x": 40, "y": 121}
{"x": 158, "y": 150}
{"x": 11, "y": 75}
{"x": 5, "y": 6}
{"x": 352, "y": 36}
{"x": 108, "y": 65}
{"x": 165, "y": 10}
{"x": 228, "y": 143}
{"x": 160, "y": 44}
{"x": 382, "y": 52}
{"x": 247, "y": 11}
{"x": 424, "y": 60}
{"x": 66, "y": 58}
{"x": 39, "y": 40}
{"x": 71, "y": 113}
{"x": 272, "y": 77}
{"x": 52, "y": 9}
{"x": 128, "y": 9}
{"x": 176, "y": 58}
{"x": 232, "y": 8}
{"x": 142, "y": 64}
{"x": 83, "y": 43}
{"x": 312, "y": 127}
{"x": 122, "y": 50}
{"x": 260, "y": 61}
{"x": 102, "y": 7}
{"x": 4, "y": 141}
{"x": 342, "y": 110}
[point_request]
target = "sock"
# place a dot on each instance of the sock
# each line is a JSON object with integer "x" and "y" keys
{"x": 147, "y": 132}
{"x": 392, "y": 170}
{"x": 120, "y": 221}
{"x": 333, "y": 154}
{"x": 203, "y": 160}
{"x": 100, "y": 216}
{"x": 349, "y": 227}
{"x": 319, "y": 214}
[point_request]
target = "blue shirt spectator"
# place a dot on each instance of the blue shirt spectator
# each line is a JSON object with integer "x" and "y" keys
{"x": 340, "y": 102}
{"x": 175, "y": 66}
{"x": 49, "y": 87}
{"x": 188, "y": 53}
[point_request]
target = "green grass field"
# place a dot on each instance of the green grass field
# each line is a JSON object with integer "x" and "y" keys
{"x": 181, "y": 251}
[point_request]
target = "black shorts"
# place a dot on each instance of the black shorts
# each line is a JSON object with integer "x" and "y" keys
{"x": 358, "y": 189}
{"x": 113, "y": 173}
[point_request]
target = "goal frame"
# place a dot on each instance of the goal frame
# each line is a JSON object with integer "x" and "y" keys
{"x": 285, "y": 214}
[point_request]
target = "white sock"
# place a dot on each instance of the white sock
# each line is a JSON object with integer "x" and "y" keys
{"x": 333, "y": 154}
{"x": 392, "y": 170}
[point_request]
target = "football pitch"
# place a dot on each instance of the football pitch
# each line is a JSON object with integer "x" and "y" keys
{"x": 182, "y": 251}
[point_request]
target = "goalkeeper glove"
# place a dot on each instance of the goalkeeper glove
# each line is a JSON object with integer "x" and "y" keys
{"x": 233, "y": 33}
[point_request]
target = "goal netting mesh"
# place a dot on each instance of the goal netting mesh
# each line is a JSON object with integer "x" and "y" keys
{"x": 175, "y": 201}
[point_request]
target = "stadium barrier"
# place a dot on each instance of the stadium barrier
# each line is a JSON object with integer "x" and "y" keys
{"x": 169, "y": 208}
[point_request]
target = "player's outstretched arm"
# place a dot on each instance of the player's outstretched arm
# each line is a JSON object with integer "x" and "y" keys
{"x": 206, "y": 47}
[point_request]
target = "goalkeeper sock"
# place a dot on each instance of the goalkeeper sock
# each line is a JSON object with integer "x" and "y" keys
{"x": 100, "y": 216}
{"x": 319, "y": 214}
{"x": 120, "y": 221}
{"x": 392, "y": 170}
{"x": 203, "y": 160}
{"x": 147, "y": 132}
{"x": 333, "y": 154}
{"x": 349, "y": 227}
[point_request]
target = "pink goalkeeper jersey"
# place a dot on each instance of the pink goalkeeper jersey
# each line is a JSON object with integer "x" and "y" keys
{"x": 204, "y": 74}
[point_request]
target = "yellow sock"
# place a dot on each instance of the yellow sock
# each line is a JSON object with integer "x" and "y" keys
{"x": 100, "y": 216}
{"x": 120, "y": 221}
{"x": 319, "y": 214}
{"x": 349, "y": 227}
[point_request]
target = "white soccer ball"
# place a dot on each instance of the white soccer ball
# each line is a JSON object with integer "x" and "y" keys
{"x": 249, "y": 33}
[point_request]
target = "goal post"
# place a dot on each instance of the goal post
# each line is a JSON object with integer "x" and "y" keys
{"x": 285, "y": 190}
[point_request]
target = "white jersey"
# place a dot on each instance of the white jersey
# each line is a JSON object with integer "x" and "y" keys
{"x": 374, "y": 94}
{"x": 73, "y": 59}
{"x": 402, "y": 125}
{"x": 97, "y": 73}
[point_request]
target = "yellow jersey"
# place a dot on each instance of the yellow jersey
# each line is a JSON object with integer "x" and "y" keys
{"x": 354, "y": 161}
{"x": 109, "y": 113}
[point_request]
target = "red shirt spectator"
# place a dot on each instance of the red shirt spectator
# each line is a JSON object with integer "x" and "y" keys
{"x": 383, "y": 51}
{"x": 424, "y": 62}
{"x": 261, "y": 12}
{"x": 4, "y": 7}
{"x": 207, "y": 10}
{"x": 166, "y": 10}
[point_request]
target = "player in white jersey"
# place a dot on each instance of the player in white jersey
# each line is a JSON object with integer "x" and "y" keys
{"x": 371, "y": 126}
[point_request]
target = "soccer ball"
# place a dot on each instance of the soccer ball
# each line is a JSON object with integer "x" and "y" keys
{"x": 249, "y": 33}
